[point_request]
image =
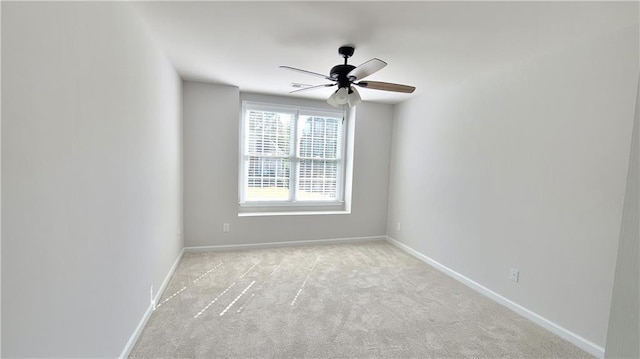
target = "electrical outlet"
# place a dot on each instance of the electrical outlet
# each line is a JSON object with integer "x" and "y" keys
{"x": 398, "y": 226}
{"x": 514, "y": 275}
{"x": 225, "y": 227}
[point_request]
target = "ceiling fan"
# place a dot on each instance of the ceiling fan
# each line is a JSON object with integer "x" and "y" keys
{"x": 345, "y": 75}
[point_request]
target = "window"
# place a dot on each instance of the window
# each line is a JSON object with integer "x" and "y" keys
{"x": 291, "y": 156}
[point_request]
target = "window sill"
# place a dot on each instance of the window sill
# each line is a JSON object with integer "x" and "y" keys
{"x": 291, "y": 213}
{"x": 266, "y": 209}
{"x": 288, "y": 204}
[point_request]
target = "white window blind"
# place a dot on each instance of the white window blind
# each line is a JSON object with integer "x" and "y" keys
{"x": 291, "y": 155}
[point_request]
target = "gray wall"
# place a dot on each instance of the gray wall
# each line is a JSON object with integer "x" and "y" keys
{"x": 91, "y": 177}
{"x": 211, "y": 125}
{"x": 524, "y": 167}
{"x": 624, "y": 321}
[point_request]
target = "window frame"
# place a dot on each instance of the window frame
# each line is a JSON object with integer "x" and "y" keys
{"x": 292, "y": 204}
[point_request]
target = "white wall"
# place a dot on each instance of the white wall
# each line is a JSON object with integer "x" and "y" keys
{"x": 0, "y": 193}
{"x": 211, "y": 125}
{"x": 624, "y": 321}
{"x": 525, "y": 168}
{"x": 91, "y": 186}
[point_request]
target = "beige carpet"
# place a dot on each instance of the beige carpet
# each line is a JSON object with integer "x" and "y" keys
{"x": 347, "y": 300}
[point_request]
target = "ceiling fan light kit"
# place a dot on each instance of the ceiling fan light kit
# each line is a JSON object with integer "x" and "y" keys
{"x": 342, "y": 96}
{"x": 338, "y": 98}
{"x": 345, "y": 75}
{"x": 353, "y": 97}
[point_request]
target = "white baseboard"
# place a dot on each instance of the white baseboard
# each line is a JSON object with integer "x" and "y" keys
{"x": 284, "y": 244}
{"x": 136, "y": 333}
{"x": 147, "y": 314}
{"x": 568, "y": 335}
{"x": 167, "y": 278}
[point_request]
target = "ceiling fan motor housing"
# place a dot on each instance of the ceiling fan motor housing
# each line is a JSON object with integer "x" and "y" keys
{"x": 339, "y": 74}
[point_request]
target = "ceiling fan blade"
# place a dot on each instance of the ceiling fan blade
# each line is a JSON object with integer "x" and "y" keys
{"x": 313, "y": 87}
{"x": 366, "y": 69}
{"x": 386, "y": 86}
{"x": 306, "y": 72}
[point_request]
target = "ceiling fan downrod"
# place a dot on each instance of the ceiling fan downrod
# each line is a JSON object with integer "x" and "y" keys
{"x": 339, "y": 73}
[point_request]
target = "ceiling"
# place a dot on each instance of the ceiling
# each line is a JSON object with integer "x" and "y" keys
{"x": 430, "y": 45}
